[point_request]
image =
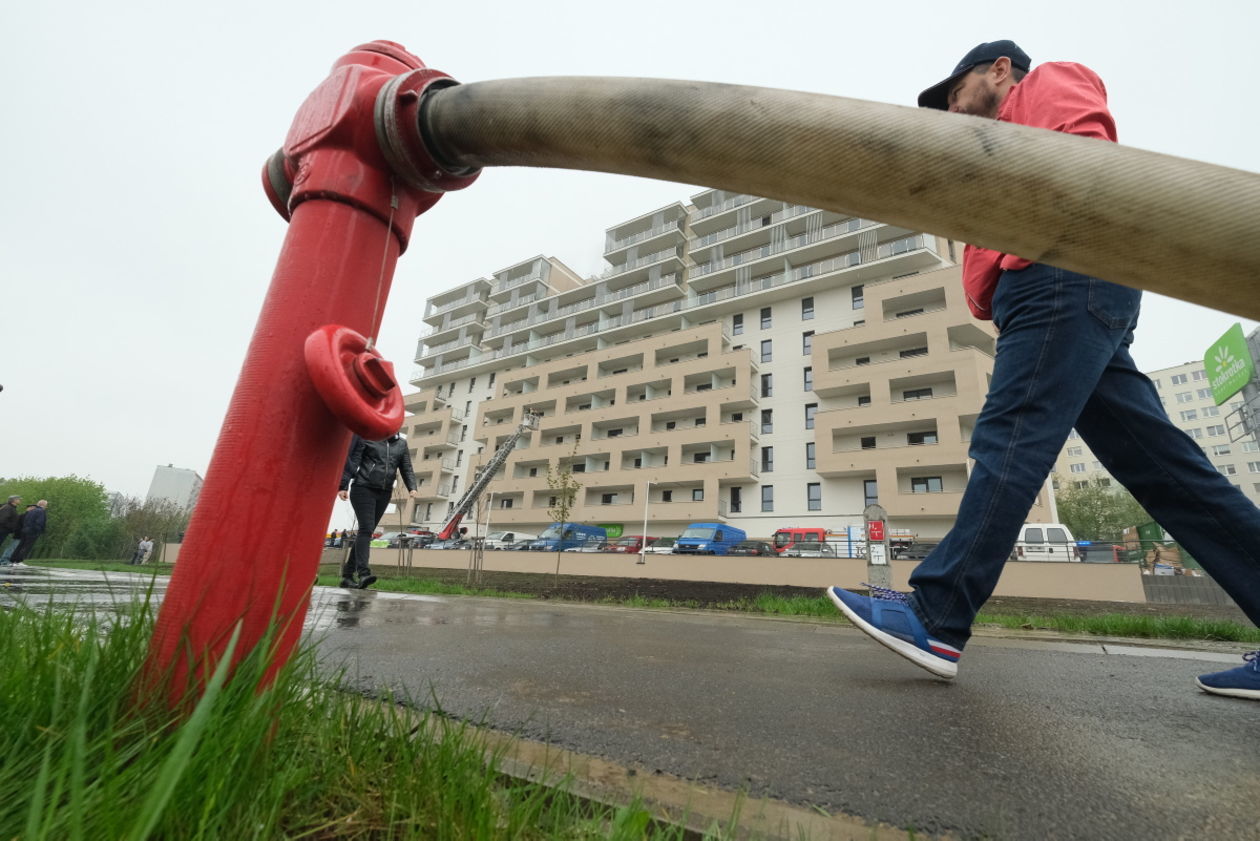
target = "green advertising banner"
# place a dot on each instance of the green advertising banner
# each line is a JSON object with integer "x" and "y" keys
{"x": 1229, "y": 365}
{"x": 613, "y": 530}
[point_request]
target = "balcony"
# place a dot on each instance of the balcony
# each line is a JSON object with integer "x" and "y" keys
{"x": 511, "y": 283}
{"x": 523, "y": 300}
{"x": 790, "y": 212}
{"x": 473, "y": 299}
{"x": 666, "y": 282}
{"x": 611, "y": 245}
{"x": 433, "y": 492}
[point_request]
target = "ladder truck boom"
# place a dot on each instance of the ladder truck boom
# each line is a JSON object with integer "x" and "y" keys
{"x": 484, "y": 477}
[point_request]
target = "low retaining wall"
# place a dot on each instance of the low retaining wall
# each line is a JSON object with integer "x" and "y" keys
{"x": 1096, "y": 582}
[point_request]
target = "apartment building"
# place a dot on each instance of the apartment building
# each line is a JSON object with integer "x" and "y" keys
{"x": 740, "y": 360}
{"x": 1187, "y": 398}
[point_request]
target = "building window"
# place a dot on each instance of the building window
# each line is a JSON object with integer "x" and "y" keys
{"x": 867, "y": 442}
{"x": 766, "y": 350}
{"x": 807, "y": 342}
{"x": 472, "y": 384}
{"x": 699, "y": 458}
{"x": 767, "y": 459}
{"x": 809, "y": 456}
{"x": 862, "y": 360}
{"x": 913, "y": 352}
{"x": 463, "y": 433}
{"x": 926, "y": 485}
{"x": 1185, "y": 396}
{"x": 913, "y": 438}
{"x": 864, "y": 400}
{"x": 767, "y": 421}
{"x": 667, "y": 496}
{"x": 615, "y": 433}
{"x": 767, "y": 385}
{"x": 1079, "y": 467}
{"x": 916, "y": 311}
{"x": 428, "y": 511}
{"x": 505, "y": 502}
{"x": 737, "y": 502}
{"x": 671, "y": 424}
{"x": 1199, "y": 375}
{"x": 737, "y": 324}
{"x": 917, "y": 393}
{"x": 1195, "y": 433}
{"x": 1179, "y": 379}
{"x": 809, "y": 379}
{"x": 765, "y": 318}
{"x": 697, "y": 494}
{"x": 608, "y": 499}
{"x": 1189, "y": 415}
{"x": 767, "y": 497}
{"x": 1211, "y": 411}
{"x": 1204, "y": 393}
{"x": 870, "y": 492}
{"x": 813, "y": 496}
{"x": 807, "y": 309}
{"x": 1215, "y": 429}
{"x": 1253, "y": 467}
{"x": 811, "y": 409}
{"x": 551, "y": 501}
{"x": 459, "y": 458}
{"x": 533, "y": 471}
{"x": 1220, "y": 450}
{"x": 491, "y": 383}
{"x": 1226, "y": 469}
{"x": 858, "y": 300}
{"x": 1075, "y": 451}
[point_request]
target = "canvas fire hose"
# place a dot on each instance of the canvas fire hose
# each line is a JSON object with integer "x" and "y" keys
{"x": 378, "y": 142}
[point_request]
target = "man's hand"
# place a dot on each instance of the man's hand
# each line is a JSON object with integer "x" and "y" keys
{"x": 343, "y": 494}
{"x": 413, "y": 494}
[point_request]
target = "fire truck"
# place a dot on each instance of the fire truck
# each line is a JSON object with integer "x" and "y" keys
{"x": 484, "y": 476}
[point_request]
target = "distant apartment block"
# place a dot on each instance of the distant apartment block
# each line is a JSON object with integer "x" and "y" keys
{"x": 1184, "y": 391}
{"x": 178, "y": 485}
{"x": 740, "y": 360}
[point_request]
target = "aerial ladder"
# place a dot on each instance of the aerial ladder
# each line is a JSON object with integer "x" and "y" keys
{"x": 484, "y": 476}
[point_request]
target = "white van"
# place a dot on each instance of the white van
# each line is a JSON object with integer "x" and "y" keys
{"x": 1045, "y": 542}
{"x": 501, "y": 539}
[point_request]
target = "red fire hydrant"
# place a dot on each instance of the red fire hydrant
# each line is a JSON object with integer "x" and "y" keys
{"x": 351, "y": 178}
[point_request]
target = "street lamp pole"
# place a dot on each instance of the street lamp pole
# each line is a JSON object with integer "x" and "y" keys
{"x": 647, "y": 497}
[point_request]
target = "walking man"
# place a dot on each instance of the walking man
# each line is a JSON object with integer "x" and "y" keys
{"x": 1062, "y": 360}
{"x": 373, "y": 466}
{"x": 34, "y": 522}
{"x": 8, "y": 523}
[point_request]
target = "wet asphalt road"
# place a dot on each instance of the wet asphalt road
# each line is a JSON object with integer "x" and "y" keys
{"x": 1033, "y": 740}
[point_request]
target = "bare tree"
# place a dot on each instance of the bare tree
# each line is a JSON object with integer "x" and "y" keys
{"x": 564, "y": 489}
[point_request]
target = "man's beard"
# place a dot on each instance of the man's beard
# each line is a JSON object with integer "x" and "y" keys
{"x": 986, "y": 104}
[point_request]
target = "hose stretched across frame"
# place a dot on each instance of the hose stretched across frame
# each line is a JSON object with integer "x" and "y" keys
{"x": 1182, "y": 228}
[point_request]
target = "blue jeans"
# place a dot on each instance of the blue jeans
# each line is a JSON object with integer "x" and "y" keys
{"x": 1063, "y": 360}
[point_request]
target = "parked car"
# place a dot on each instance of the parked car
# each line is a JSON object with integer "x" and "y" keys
{"x": 1100, "y": 553}
{"x": 450, "y": 544}
{"x": 589, "y": 547}
{"x": 810, "y": 549}
{"x": 752, "y": 547}
{"x": 504, "y": 538}
{"x": 518, "y": 546}
{"x": 914, "y": 552}
{"x": 629, "y": 544}
{"x": 1045, "y": 542}
{"x": 392, "y": 538}
{"x": 661, "y": 546}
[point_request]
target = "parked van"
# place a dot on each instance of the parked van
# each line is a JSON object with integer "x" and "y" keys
{"x": 786, "y": 538}
{"x": 1045, "y": 542}
{"x": 500, "y": 539}
{"x": 561, "y": 536}
{"x": 708, "y": 539}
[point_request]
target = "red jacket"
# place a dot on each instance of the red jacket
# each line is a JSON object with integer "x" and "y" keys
{"x": 1059, "y": 96}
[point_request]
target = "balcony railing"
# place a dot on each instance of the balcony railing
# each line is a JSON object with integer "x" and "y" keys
{"x": 618, "y": 244}
{"x": 590, "y": 303}
{"x": 712, "y": 210}
{"x": 903, "y": 245}
{"x": 828, "y": 232}
{"x": 495, "y": 309}
{"x": 639, "y": 262}
{"x": 776, "y": 217}
{"x": 512, "y": 283}
{"x": 466, "y": 299}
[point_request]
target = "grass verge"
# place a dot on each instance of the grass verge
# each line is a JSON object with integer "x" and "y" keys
{"x": 299, "y": 759}
{"x": 1111, "y": 625}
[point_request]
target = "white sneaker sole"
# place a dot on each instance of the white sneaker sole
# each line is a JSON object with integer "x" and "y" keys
{"x": 1253, "y": 694}
{"x": 916, "y": 655}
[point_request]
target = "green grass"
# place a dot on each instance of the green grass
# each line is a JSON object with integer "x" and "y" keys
{"x": 820, "y": 608}
{"x": 299, "y": 759}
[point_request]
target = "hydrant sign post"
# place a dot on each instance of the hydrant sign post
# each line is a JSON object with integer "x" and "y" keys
{"x": 877, "y": 569}
{"x": 351, "y": 178}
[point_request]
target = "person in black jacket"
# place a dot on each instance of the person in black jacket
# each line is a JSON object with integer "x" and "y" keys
{"x": 372, "y": 465}
{"x": 34, "y": 521}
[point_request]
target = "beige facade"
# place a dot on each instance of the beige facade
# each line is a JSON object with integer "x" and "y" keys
{"x": 740, "y": 360}
{"x": 1187, "y": 398}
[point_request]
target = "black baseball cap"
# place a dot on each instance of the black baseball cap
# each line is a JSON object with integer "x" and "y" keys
{"x": 937, "y": 96}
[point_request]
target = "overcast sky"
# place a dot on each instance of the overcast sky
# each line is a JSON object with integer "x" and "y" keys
{"x": 136, "y": 243}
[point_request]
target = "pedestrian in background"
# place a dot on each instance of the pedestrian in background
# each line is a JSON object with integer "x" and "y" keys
{"x": 9, "y": 517}
{"x": 1062, "y": 361}
{"x": 34, "y": 522}
{"x": 372, "y": 466}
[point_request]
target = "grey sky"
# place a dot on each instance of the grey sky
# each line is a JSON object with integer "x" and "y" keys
{"x": 136, "y": 243}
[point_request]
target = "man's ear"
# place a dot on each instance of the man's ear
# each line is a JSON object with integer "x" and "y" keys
{"x": 1000, "y": 69}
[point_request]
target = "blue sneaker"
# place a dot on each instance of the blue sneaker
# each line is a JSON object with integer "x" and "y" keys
{"x": 886, "y": 617}
{"x": 1242, "y": 682}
